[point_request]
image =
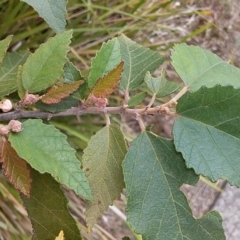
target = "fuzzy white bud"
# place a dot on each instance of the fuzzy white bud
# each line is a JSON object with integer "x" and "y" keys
{"x": 4, "y": 130}
{"x": 15, "y": 126}
{"x": 6, "y": 105}
{"x": 30, "y": 99}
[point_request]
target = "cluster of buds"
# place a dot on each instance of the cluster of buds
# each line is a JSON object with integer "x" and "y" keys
{"x": 13, "y": 126}
{"x": 30, "y": 99}
{"x": 6, "y": 105}
{"x": 98, "y": 102}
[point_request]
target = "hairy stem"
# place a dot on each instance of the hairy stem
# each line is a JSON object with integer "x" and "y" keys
{"x": 77, "y": 111}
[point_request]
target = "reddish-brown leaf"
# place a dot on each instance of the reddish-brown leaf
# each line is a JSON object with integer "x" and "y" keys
{"x": 107, "y": 84}
{"x": 56, "y": 94}
{"x": 15, "y": 168}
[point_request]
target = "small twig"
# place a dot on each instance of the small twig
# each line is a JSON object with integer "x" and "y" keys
{"x": 79, "y": 57}
{"x": 126, "y": 97}
{"x": 77, "y": 111}
{"x": 152, "y": 100}
{"x": 140, "y": 122}
{"x": 173, "y": 101}
{"x": 108, "y": 122}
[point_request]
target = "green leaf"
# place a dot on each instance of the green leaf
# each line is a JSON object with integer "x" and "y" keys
{"x": 47, "y": 209}
{"x": 83, "y": 92}
{"x": 53, "y": 12}
{"x": 45, "y": 148}
{"x": 207, "y": 132}
{"x": 136, "y": 99}
{"x": 107, "y": 58}
{"x": 4, "y": 44}
{"x": 160, "y": 85}
{"x": 71, "y": 73}
{"x": 59, "y": 107}
{"x": 102, "y": 162}
{"x": 137, "y": 61}
{"x": 107, "y": 84}
{"x": 198, "y": 67}
{"x": 167, "y": 88}
{"x": 9, "y": 70}
{"x": 21, "y": 90}
{"x": 156, "y": 208}
{"x": 43, "y": 68}
{"x": 153, "y": 84}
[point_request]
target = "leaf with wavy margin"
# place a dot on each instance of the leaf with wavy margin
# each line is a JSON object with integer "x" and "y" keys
{"x": 199, "y": 67}
{"x": 156, "y": 208}
{"x": 52, "y": 11}
{"x": 44, "y": 67}
{"x": 15, "y": 168}
{"x": 106, "y": 59}
{"x": 46, "y": 149}
{"x": 9, "y": 71}
{"x": 56, "y": 94}
{"x": 47, "y": 209}
{"x": 4, "y": 44}
{"x": 102, "y": 162}
{"x": 107, "y": 84}
{"x": 207, "y": 132}
{"x": 137, "y": 61}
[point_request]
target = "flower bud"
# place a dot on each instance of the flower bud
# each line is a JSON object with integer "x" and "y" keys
{"x": 6, "y": 105}
{"x": 30, "y": 99}
{"x": 15, "y": 126}
{"x": 98, "y": 102}
{"x": 4, "y": 130}
{"x": 101, "y": 102}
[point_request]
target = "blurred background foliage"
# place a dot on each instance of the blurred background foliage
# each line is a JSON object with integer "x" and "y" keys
{"x": 158, "y": 24}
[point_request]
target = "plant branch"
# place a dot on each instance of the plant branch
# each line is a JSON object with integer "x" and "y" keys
{"x": 173, "y": 101}
{"x": 77, "y": 111}
{"x": 140, "y": 122}
{"x": 108, "y": 122}
{"x": 152, "y": 100}
{"x": 126, "y": 97}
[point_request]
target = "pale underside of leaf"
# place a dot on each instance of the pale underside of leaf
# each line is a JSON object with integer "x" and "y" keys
{"x": 102, "y": 161}
{"x": 9, "y": 70}
{"x": 45, "y": 66}
{"x": 4, "y": 44}
{"x": 56, "y": 94}
{"x": 207, "y": 132}
{"x": 47, "y": 209}
{"x": 107, "y": 84}
{"x": 153, "y": 83}
{"x": 15, "y": 168}
{"x": 167, "y": 88}
{"x": 53, "y": 12}
{"x": 160, "y": 85}
{"x": 137, "y": 61}
{"x": 71, "y": 73}
{"x": 207, "y": 150}
{"x": 156, "y": 208}
{"x": 199, "y": 67}
{"x": 45, "y": 148}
